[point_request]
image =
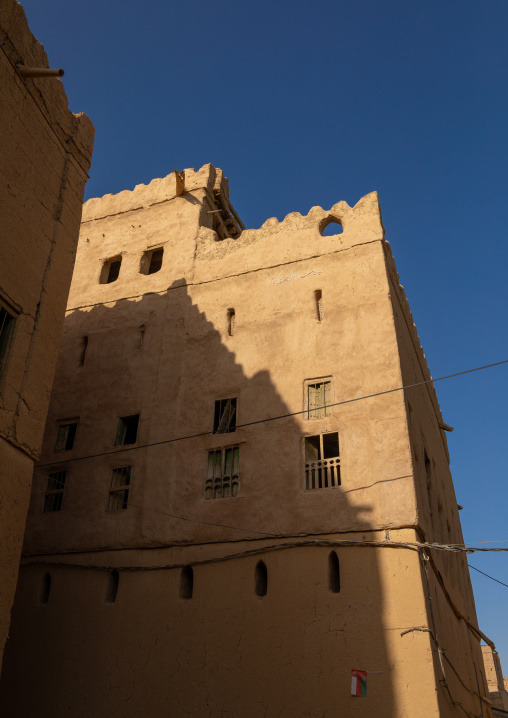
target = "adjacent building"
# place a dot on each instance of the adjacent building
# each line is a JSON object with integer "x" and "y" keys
{"x": 45, "y": 153}
{"x": 230, "y": 512}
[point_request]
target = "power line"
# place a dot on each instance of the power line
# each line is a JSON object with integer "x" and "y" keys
{"x": 338, "y": 543}
{"x": 486, "y": 574}
{"x": 274, "y": 418}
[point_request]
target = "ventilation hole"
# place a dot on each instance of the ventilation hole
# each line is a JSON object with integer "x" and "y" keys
{"x": 318, "y": 297}
{"x": 45, "y": 588}
{"x": 142, "y": 330}
{"x": 84, "y": 347}
{"x": 333, "y": 573}
{"x": 261, "y": 579}
{"x": 112, "y": 588}
{"x": 186, "y": 582}
{"x": 330, "y": 226}
{"x": 231, "y": 322}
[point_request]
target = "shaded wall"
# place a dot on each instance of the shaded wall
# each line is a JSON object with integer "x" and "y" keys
{"x": 45, "y": 156}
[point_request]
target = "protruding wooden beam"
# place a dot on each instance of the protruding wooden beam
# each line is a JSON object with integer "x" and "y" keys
{"x": 40, "y": 72}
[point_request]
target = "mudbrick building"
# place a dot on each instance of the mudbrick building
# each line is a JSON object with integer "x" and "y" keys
{"x": 45, "y": 154}
{"x": 228, "y": 515}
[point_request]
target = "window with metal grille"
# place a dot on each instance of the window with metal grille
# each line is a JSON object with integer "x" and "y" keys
{"x": 119, "y": 491}
{"x": 223, "y": 475}
{"x": 54, "y": 492}
{"x": 318, "y": 398}
{"x": 224, "y": 420}
{"x": 127, "y": 431}
{"x": 7, "y": 321}
{"x": 111, "y": 270}
{"x": 322, "y": 461}
{"x": 65, "y": 436}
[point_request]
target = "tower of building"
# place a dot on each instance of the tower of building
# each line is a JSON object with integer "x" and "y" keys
{"x": 229, "y": 512}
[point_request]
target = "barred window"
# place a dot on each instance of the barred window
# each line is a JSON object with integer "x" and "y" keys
{"x": 223, "y": 477}
{"x": 7, "y": 321}
{"x": 322, "y": 461}
{"x": 65, "y": 436}
{"x": 318, "y": 398}
{"x": 224, "y": 420}
{"x": 54, "y": 492}
{"x": 119, "y": 492}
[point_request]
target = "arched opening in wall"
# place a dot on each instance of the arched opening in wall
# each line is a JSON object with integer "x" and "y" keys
{"x": 333, "y": 573}
{"x": 231, "y": 322}
{"x": 261, "y": 579}
{"x": 330, "y": 226}
{"x": 45, "y": 588}
{"x": 318, "y": 299}
{"x": 112, "y": 587}
{"x": 186, "y": 582}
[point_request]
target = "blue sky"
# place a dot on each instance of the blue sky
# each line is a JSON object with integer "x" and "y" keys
{"x": 306, "y": 104}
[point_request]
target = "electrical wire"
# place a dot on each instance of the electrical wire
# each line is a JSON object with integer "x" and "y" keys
{"x": 486, "y": 574}
{"x": 337, "y": 543}
{"x": 274, "y": 418}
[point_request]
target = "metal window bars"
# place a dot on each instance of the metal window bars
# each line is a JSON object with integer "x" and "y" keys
{"x": 223, "y": 476}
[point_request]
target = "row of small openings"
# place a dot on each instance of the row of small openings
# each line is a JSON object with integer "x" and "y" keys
{"x": 186, "y": 588}
{"x": 231, "y": 321}
{"x": 150, "y": 263}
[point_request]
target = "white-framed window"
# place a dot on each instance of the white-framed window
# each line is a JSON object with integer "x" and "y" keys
{"x": 318, "y": 398}
{"x": 223, "y": 473}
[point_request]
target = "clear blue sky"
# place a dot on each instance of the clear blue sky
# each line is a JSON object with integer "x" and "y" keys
{"x": 308, "y": 103}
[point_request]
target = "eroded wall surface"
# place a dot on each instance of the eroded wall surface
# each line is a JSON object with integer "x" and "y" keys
{"x": 239, "y": 639}
{"x": 45, "y": 156}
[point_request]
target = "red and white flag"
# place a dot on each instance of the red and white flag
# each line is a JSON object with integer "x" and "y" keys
{"x": 359, "y": 683}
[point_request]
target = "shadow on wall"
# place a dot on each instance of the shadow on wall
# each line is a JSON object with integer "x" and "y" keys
{"x": 274, "y": 633}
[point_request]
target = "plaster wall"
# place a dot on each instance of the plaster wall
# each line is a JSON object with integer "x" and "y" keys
{"x": 45, "y": 156}
{"x": 159, "y": 345}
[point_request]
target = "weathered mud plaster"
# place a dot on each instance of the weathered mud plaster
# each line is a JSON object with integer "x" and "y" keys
{"x": 256, "y": 315}
{"x": 45, "y": 156}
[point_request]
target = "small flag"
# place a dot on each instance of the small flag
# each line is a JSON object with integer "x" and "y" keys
{"x": 359, "y": 683}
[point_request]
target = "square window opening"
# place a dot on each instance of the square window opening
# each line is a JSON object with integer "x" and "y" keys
{"x": 322, "y": 461}
{"x": 151, "y": 261}
{"x": 65, "y": 436}
{"x": 119, "y": 491}
{"x": 318, "y": 398}
{"x": 127, "y": 431}
{"x": 53, "y": 496}
{"x": 110, "y": 270}
{"x": 224, "y": 420}
{"x": 223, "y": 473}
